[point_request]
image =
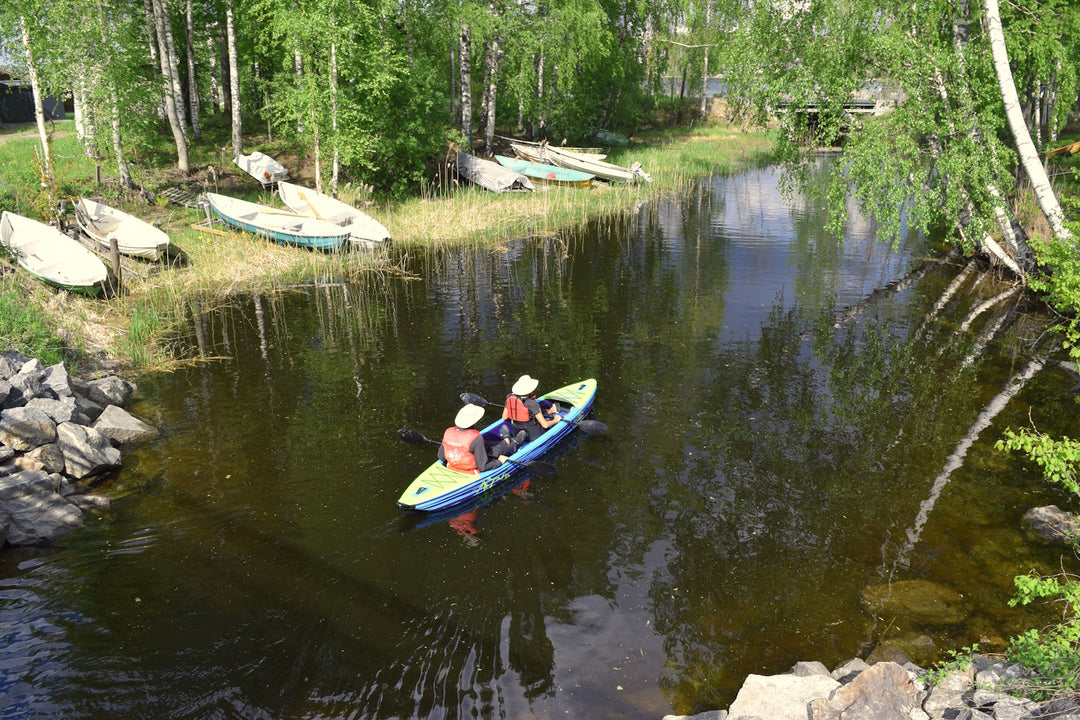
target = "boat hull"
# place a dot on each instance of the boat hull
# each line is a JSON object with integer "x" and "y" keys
{"x": 546, "y": 174}
{"x": 440, "y": 488}
{"x": 365, "y": 232}
{"x": 51, "y": 256}
{"x": 278, "y": 225}
{"x": 134, "y": 237}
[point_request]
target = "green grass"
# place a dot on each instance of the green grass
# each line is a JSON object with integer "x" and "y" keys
{"x": 135, "y": 327}
{"x": 25, "y": 326}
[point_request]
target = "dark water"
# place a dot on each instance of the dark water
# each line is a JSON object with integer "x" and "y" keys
{"x": 780, "y": 413}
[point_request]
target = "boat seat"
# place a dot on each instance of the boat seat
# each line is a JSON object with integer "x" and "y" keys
{"x": 106, "y": 224}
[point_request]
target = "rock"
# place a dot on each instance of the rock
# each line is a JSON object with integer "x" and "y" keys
{"x": 57, "y": 381}
{"x": 86, "y": 451}
{"x": 847, "y": 672}
{"x": 806, "y": 669}
{"x": 905, "y": 648}
{"x": 6, "y": 453}
{"x": 28, "y": 382}
{"x": 25, "y": 428}
{"x": 122, "y": 427}
{"x": 1052, "y": 523}
{"x": 87, "y": 411}
{"x": 883, "y": 692}
{"x": 36, "y": 514}
{"x": 110, "y": 390}
{"x": 918, "y": 600}
{"x": 11, "y": 363}
{"x": 89, "y": 502}
{"x": 709, "y": 715}
{"x": 5, "y": 390}
{"x": 62, "y": 410}
{"x": 780, "y": 697}
{"x": 50, "y": 456}
{"x": 949, "y": 692}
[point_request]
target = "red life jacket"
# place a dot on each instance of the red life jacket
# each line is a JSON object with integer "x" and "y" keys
{"x": 515, "y": 408}
{"x": 455, "y": 443}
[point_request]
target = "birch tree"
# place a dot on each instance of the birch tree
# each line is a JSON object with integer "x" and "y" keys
{"x": 193, "y": 83}
{"x": 234, "y": 81}
{"x": 172, "y": 111}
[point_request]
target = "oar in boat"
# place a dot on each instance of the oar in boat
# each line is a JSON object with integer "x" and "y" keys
{"x": 589, "y": 427}
{"x": 539, "y": 468}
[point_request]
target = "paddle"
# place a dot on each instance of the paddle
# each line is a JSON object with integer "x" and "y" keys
{"x": 538, "y": 468}
{"x": 304, "y": 198}
{"x": 589, "y": 427}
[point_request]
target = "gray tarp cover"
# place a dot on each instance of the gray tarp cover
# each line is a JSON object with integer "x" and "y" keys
{"x": 491, "y": 175}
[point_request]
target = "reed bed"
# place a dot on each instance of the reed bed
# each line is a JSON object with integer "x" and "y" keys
{"x": 133, "y": 327}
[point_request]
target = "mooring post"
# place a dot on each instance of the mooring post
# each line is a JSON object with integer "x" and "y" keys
{"x": 114, "y": 256}
{"x": 97, "y": 175}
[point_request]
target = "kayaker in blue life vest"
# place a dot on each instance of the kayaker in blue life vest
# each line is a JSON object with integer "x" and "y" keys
{"x": 522, "y": 409}
{"x": 463, "y": 447}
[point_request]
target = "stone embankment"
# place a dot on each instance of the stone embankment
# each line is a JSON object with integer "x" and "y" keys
{"x": 59, "y": 436}
{"x": 895, "y": 688}
{"x": 888, "y": 691}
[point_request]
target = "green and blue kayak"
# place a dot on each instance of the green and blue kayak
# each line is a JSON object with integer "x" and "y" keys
{"x": 438, "y": 487}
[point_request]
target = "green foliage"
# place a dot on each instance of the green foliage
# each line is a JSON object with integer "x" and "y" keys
{"x": 1056, "y": 458}
{"x": 24, "y": 327}
{"x": 958, "y": 660}
{"x": 1053, "y": 653}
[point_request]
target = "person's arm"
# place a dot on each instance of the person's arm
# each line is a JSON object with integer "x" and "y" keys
{"x": 442, "y": 455}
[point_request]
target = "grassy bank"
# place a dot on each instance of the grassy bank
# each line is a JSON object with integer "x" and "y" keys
{"x": 130, "y": 330}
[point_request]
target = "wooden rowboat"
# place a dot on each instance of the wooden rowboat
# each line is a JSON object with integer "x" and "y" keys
{"x": 134, "y": 237}
{"x": 281, "y": 226}
{"x": 537, "y": 148}
{"x": 52, "y": 256}
{"x": 438, "y": 487}
{"x": 365, "y": 232}
{"x": 546, "y": 174}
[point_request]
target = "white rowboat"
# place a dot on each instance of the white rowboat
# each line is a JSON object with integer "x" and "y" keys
{"x": 52, "y": 256}
{"x": 364, "y": 231}
{"x": 262, "y": 167}
{"x": 134, "y": 237}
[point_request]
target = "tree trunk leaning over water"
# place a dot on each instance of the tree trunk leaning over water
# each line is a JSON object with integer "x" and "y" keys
{"x": 234, "y": 82}
{"x": 1029, "y": 157}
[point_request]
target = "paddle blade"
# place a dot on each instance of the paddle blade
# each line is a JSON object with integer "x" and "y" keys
{"x": 591, "y": 427}
{"x": 473, "y": 399}
{"x": 412, "y": 437}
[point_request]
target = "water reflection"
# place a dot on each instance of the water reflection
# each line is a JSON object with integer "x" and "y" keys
{"x": 779, "y": 406}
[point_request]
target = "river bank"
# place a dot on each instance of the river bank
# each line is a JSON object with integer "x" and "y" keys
{"x": 132, "y": 331}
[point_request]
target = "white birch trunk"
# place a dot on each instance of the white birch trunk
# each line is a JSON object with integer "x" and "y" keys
{"x": 217, "y": 100}
{"x": 335, "y": 174}
{"x": 234, "y": 81}
{"x": 117, "y": 141}
{"x": 704, "y": 109}
{"x": 48, "y": 171}
{"x": 171, "y": 111}
{"x": 465, "y": 60}
{"x": 170, "y": 65}
{"x": 298, "y": 71}
{"x": 1029, "y": 157}
{"x": 193, "y": 83}
{"x": 491, "y": 62}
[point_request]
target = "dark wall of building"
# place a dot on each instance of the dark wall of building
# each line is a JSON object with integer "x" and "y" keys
{"x": 17, "y": 105}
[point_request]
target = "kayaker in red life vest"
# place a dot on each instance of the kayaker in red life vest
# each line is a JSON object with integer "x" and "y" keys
{"x": 523, "y": 410}
{"x": 463, "y": 447}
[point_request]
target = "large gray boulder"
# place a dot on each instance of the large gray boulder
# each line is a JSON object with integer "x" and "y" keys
{"x": 86, "y": 410}
{"x": 780, "y": 697}
{"x": 25, "y": 428}
{"x": 1052, "y": 523}
{"x": 34, "y": 513}
{"x": 122, "y": 427}
{"x": 110, "y": 390}
{"x": 10, "y": 364}
{"x": 27, "y": 383}
{"x": 57, "y": 381}
{"x": 86, "y": 451}
{"x": 51, "y": 457}
{"x": 882, "y": 692}
{"x": 62, "y": 410}
{"x": 5, "y": 390}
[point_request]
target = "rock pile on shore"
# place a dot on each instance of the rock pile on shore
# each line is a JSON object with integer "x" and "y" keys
{"x": 889, "y": 691}
{"x": 59, "y": 435}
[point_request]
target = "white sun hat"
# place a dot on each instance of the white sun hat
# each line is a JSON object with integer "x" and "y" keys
{"x": 468, "y": 416}
{"x": 524, "y": 385}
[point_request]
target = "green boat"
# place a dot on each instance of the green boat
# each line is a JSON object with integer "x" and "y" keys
{"x": 547, "y": 174}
